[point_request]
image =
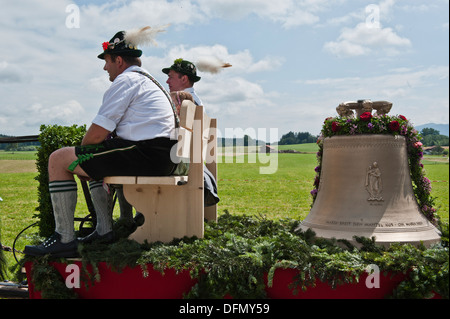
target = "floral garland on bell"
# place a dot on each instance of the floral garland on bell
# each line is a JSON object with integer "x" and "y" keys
{"x": 367, "y": 123}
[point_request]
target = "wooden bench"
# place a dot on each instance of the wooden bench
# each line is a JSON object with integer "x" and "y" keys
{"x": 173, "y": 206}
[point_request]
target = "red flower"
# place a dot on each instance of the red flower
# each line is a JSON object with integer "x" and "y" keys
{"x": 403, "y": 118}
{"x": 335, "y": 127}
{"x": 394, "y": 126}
{"x": 366, "y": 116}
{"x": 105, "y": 45}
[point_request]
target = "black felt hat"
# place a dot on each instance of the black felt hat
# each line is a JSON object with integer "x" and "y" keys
{"x": 184, "y": 67}
{"x": 118, "y": 46}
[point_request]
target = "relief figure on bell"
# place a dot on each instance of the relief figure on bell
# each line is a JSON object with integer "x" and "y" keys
{"x": 374, "y": 183}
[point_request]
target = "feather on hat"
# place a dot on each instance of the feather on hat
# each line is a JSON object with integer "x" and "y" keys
{"x": 126, "y": 43}
{"x": 206, "y": 64}
{"x": 211, "y": 65}
{"x": 143, "y": 36}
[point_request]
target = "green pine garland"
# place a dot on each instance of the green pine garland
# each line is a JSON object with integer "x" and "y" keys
{"x": 238, "y": 251}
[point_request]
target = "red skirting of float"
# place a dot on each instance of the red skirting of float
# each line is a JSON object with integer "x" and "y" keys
{"x": 283, "y": 278}
{"x": 131, "y": 284}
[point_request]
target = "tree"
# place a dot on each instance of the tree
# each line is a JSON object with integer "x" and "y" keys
{"x": 12, "y": 147}
{"x": 431, "y": 137}
{"x": 246, "y": 139}
{"x": 429, "y": 131}
{"x": 297, "y": 138}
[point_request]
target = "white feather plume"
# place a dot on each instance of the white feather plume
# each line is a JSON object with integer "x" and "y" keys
{"x": 211, "y": 65}
{"x": 143, "y": 36}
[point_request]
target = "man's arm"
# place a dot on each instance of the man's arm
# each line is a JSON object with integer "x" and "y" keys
{"x": 95, "y": 135}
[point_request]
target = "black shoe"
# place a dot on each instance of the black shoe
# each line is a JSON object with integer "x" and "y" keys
{"x": 54, "y": 247}
{"x": 139, "y": 219}
{"x": 94, "y": 236}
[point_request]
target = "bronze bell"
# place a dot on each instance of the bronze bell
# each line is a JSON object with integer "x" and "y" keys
{"x": 366, "y": 190}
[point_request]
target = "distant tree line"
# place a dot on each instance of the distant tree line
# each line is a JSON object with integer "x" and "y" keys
{"x": 238, "y": 141}
{"x": 15, "y": 147}
{"x": 432, "y": 137}
{"x": 297, "y": 138}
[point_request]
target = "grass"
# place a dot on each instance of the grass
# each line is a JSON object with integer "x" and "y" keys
{"x": 306, "y": 148}
{"x": 242, "y": 189}
{"x": 283, "y": 194}
{"x": 29, "y": 155}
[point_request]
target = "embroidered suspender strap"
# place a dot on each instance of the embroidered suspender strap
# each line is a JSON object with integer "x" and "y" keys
{"x": 86, "y": 157}
{"x": 174, "y": 109}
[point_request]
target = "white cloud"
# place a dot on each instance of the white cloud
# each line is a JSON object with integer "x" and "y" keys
{"x": 66, "y": 113}
{"x": 397, "y": 80}
{"x": 238, "y": 9}
{"x": 12, "y": 73}
{"x": 110, "y": 16}
{"x": 268, "y": 63}
{"x": 288, "y": 13}
{"x": 364, "y": 39}
{"x": 242, "y": 62}
{"x": 415, "y": 92}
{"x": 99, "y": 84}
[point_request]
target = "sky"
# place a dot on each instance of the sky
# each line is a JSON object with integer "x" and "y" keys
{"x": 294, "y": 61}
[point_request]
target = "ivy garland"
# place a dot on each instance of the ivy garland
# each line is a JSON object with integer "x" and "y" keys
{"x": 367, "y": 123}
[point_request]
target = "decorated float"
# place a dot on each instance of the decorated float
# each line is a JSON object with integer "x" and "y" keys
{"x": 370, "y": 185}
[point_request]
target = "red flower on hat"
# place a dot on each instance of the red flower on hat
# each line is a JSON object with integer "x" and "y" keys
{"x": 105, "y": 45}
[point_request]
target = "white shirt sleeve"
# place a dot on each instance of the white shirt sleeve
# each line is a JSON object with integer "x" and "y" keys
{"x": 115, "y": 102}
{"x": 136, "y": 108}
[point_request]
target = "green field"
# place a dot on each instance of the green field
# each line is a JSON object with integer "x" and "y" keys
{"x": 242, "y": 189}
{"x": 17, "y": 155}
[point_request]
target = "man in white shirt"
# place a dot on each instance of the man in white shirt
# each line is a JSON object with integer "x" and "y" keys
{"x": 139, "y": 111}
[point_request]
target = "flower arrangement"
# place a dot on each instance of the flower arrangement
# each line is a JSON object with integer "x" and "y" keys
{"x": 366, "y": 123}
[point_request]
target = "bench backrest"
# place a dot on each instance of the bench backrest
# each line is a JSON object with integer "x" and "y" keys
{"x": 187, "y": 115}
{"x": 202, "y": 151}
{"x": 197, "y": 139}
